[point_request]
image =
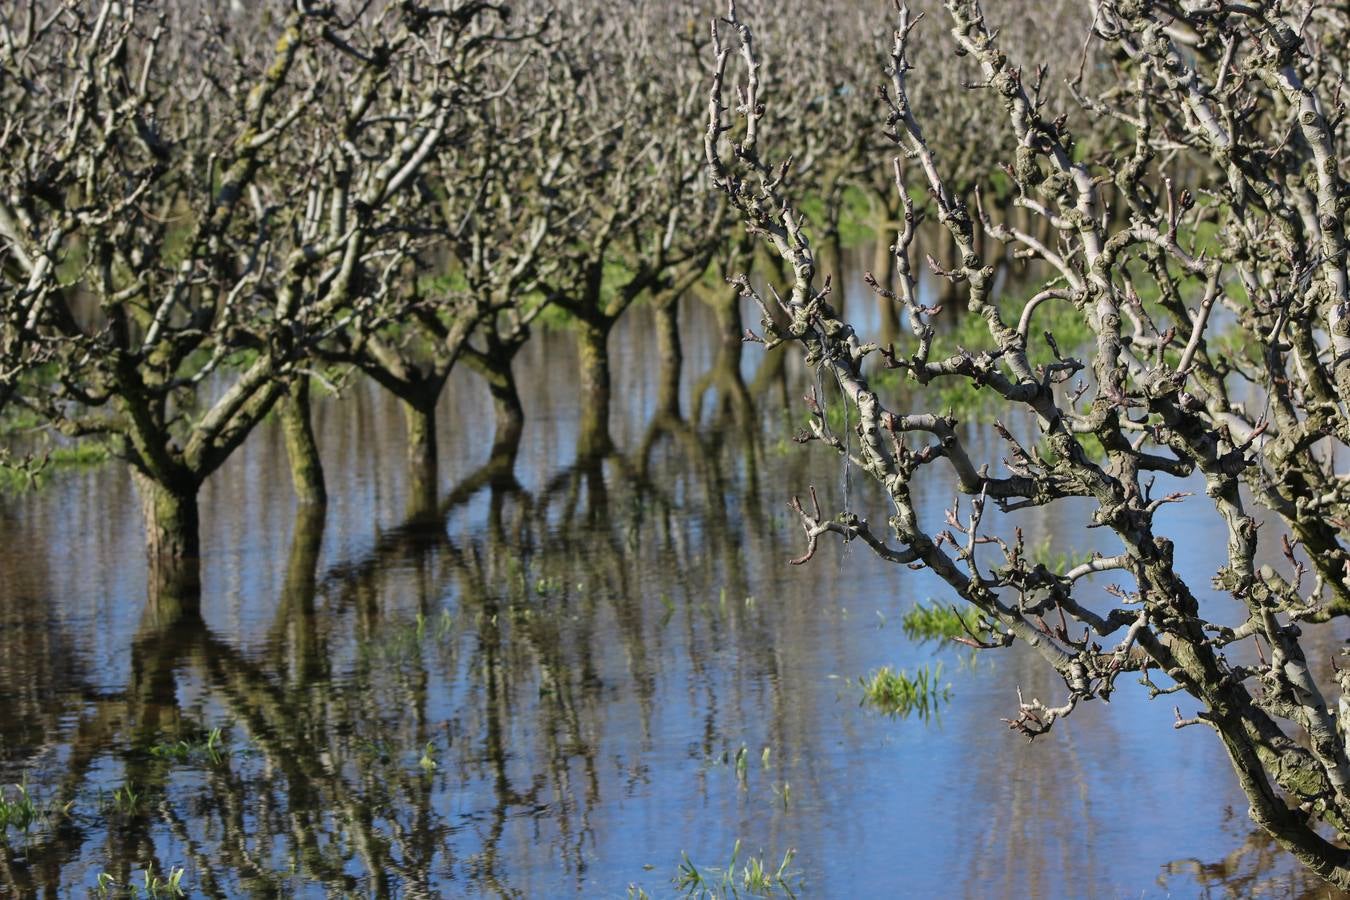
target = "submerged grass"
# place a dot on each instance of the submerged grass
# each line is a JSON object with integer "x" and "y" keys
{"x": 752, "y": 878}
{"x": 941, "y": 623}
{"x": 401, "y": 643}
{"x": 427, "y": 763}
{"x": 151, "y": 885}
{"x": 84, "y": 453}
{"x": 962, "y": 397}
{"x": 127, "y": 800}
{"x": 210, "y": 748}
{"x": 18, "y": 418}
{"x": 1044, "y": 552}
{"x": 17, "y": 810}
{"x": 899, "y": 694}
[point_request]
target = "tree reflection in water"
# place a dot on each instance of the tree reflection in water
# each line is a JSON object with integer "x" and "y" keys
{"x": 532, "y": 688}
{"x": 1256, "y": 868}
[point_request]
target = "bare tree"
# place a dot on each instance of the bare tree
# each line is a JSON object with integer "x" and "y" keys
{"x": 507, "y": 217}
{"x": 643, "y": 225}
{"x": 189, "y": 216}
{"x": 1242, "y": 101}
{"x": 488, "y": 239}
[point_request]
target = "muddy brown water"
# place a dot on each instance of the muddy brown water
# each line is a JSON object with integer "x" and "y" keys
{"x": 543, "y": 691}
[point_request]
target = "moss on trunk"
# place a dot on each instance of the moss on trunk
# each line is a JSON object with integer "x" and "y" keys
{"x": 301, "y": 449}
{"x": 172, "y": 540}
{"x": 423, "y": 470}
{"x": 593, "y": 438}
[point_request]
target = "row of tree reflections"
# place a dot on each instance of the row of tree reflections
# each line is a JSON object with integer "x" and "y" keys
{"x": 217, "y": 209}
{"x": 477, "y": 632}
{"x": 494, "y": 645}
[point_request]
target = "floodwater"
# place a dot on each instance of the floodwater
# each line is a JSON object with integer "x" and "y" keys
{"x": 544, "y": 691}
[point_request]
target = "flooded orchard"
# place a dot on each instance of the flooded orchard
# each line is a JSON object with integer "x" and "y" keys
{"x": 564, "y": 677}
{"x": 617, "y": 448}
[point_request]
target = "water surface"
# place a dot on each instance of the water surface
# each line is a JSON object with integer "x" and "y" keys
{"x": 543, "y": 691}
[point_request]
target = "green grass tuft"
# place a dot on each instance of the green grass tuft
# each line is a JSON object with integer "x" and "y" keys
{"x": 941, "y": 623}
{"x": 752, "y": 878}
{"x": 899, "y": 694}
{"x": 210, "y": 748}
{"x": 17, "y": 810}
{"x": 1043, "y": 552}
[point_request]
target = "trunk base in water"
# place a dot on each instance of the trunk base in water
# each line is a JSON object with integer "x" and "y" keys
{"x": 423, "y": 471}
{"x": 495, "y": 365}
{"x": 296, "y": 610}
{"x": 672, "y": 359}
{"x": 172, "y": 544}
{"x": 507, "y": 410}
{"x": 593, "y": 439}
{"x": 301, "y": 449}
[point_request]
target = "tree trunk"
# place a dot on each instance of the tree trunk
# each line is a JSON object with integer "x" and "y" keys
{"x": 884, "y": 271}
{"x": 172, "y": 543}
{"x": 832, "y": 264}
{"x": 302, "y": 563}
{"x": 735, "y": 399}
{"x": 672, "y": 358}
{"x": 423, "y": 477}
{"x": 772, "y": 373}
{"x": 296, "y": 606}
{"x": 507, "y": 410}
{"x": 495, "y": 365}
{"x": 298, "y": 429}
{"x": 593, "y": 439}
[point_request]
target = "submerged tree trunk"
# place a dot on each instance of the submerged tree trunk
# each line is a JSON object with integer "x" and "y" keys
{"x": 671, "y": 355}
{"x": 735, "y": 397}
{"x": 495, "y": 365}
{"x": 593, "y": 439}
{"x": 301, "y": 449}
{"x": 501, "y": 465}
{"x": 832, "y": 259}
{"x": 302, "y": 563}
{"x": 295, "y": 609}
{"x": 883, "y": 269}
{"x": 419, "y": 415}
{"x": 771, "y": 374}
{"x": 172, "y": 543}
{"x": 507, "y": 410}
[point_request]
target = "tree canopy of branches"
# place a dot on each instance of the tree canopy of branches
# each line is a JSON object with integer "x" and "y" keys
{"x": 1205, "y": 249}
{"x": 191, "y": 206}
{"x": 485, "y": 245}
{"x": 644, "y": 220}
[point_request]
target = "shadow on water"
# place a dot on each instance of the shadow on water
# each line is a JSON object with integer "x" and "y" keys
{"x": 540, "y": 681}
